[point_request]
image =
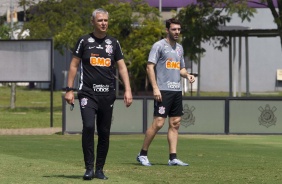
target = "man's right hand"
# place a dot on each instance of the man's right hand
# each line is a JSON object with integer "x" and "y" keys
{"x": 69, "y": 97}
{"x": 157, "y": 95}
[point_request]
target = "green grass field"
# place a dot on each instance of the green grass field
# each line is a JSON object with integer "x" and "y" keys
{"x": 32, "y": 108}
{"x": 45, "y": 159}
{"x": 213, "y": 159}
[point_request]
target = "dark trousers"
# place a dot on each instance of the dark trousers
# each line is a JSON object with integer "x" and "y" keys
{"x": 100, "y": 107}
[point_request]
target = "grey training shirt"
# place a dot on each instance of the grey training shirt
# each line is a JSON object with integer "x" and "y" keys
{"x": 169, "y": 61}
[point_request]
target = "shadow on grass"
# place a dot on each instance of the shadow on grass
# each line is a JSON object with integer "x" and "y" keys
{"x": 65, "y": 176}
{"x": 153, "y": 164}
{"x": 59, "y": 133}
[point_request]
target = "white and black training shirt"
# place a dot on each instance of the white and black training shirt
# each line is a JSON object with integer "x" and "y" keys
{"x": 98, "y": 57}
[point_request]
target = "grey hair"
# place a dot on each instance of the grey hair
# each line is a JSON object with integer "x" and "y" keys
{"x": 98, "y": 10}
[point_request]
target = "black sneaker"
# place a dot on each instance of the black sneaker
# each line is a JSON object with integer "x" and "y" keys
{"x": 89, "y": 174}
{"x": 100, "y": 175}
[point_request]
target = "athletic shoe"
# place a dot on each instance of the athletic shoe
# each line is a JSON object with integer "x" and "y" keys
{"x": 100, "y": 175}
{"x": 89, "y": 174}
{"x": 177, "y": 162}
{"x": 143, "y": 160}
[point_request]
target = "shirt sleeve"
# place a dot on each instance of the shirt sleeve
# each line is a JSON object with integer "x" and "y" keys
{"x": 182, "y": 61}
{"x": 154, "y": 53}
{"x": 78, "y": 49}
{"x": 118, "y": 52}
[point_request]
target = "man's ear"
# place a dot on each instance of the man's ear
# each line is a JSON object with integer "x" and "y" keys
{"x": 91, "y": 21}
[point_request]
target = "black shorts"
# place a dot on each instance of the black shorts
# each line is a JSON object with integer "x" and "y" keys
{"x": 171, "y": 104}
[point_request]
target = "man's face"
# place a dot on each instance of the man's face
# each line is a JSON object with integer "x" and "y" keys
{"x": 100, "y": 22}
{"x": 174, "y": 31}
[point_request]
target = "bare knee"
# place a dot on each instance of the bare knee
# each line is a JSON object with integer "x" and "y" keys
{"x": 174, "y": 122}
{"x": 158, "y": 123}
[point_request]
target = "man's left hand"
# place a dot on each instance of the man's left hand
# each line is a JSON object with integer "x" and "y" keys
{"x": 127, "y": 98}
{"x": 191, "y": 78}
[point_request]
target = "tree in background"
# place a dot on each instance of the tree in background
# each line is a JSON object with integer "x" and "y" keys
{"x": 201, "y": 21}
{"x": 135, "y": 24}
{"x": 25, "y": 4}
{"x": 5, "y": 31}
{"x": 276, "y": 12}
{"x": 64, "y": 20}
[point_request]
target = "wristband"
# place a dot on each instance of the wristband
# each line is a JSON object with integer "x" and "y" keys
{"x": 69, "y": 89}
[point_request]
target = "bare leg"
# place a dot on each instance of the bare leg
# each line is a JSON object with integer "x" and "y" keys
{"x": 172, "y": 135}
{"x": 157, "y": 124}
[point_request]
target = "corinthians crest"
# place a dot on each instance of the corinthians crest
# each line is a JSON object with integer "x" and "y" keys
{"x": 188, "y": 118}
{"x": 267, "y": 117}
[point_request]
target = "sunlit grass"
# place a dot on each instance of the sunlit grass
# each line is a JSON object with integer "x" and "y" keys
{"x": 212, "y": 158}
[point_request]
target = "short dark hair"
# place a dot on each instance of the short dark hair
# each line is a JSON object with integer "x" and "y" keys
{"x": 171, "y": 21}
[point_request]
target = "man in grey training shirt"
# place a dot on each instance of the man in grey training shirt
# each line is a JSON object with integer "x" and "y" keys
{"x": 165, "y": 68}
